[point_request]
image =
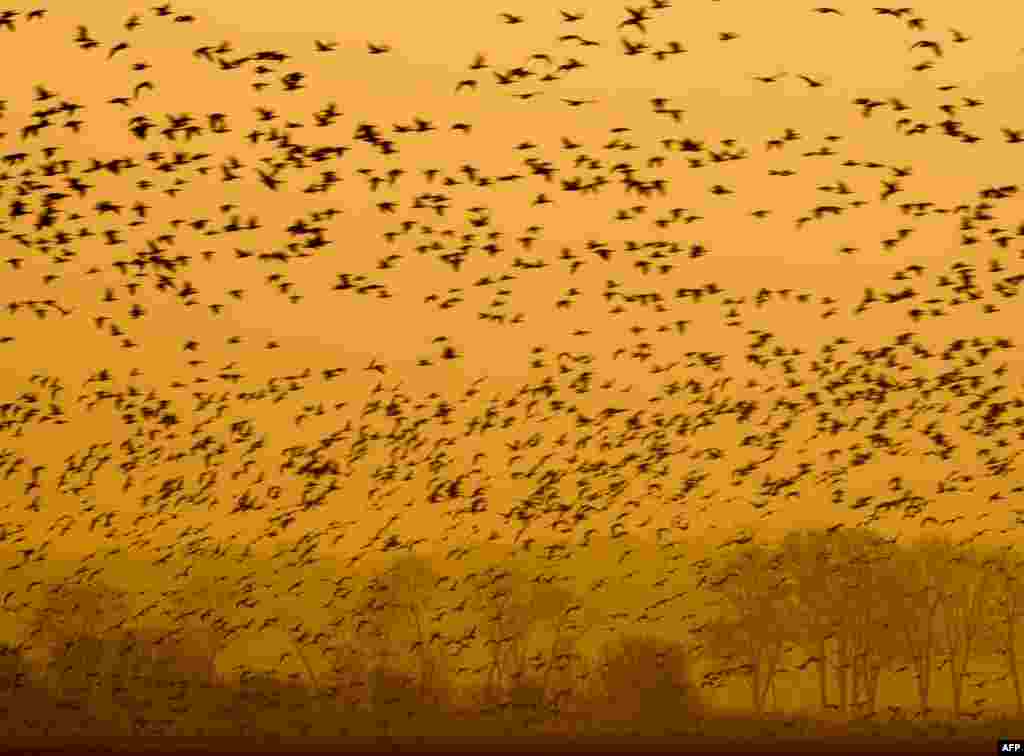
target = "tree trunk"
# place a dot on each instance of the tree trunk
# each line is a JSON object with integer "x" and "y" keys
{"x": 874, "y": 674}
{"x": 755, "y": 687}
{"x": 922, "y": 663}
{"x": 856, "y": 672}
{"x": 956, "y": 679}
{"x": 1011, "y": 660}
{"x": 841, "y": 675}
{"x": 426, "y": 668}
{"x": 764, "y": 675}
{"x": 823, "y": 674}
{"x": 546, "y": 682}
{"x": 1015, "y": 675}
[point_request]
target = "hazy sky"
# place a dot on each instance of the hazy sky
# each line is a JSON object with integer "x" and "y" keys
{"x": 857, "y": 53}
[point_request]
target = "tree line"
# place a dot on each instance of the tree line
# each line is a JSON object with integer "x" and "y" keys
{"x": 849, "y": 608}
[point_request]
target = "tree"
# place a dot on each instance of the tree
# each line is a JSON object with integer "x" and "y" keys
{"x": 805, "y": 561}
{"x": 755, "y": 623}
{"x": 878, "y": 647}
{"x": 394, "y": 623}
{"x": 1006, "y": 612}
{"x": 203, "y": 608}
{"x": 412, "y": 596}
{"x": 349, "y": 670}
{"x": 963, "y": 611}
{"x": 913, "y": 583}
{"x": 516, "y": 607}
{"x": 855, "y": 562}
{"x": 90, "y": 668}
{"x": 648, "y": 680}
{"x": 162, "y": 654}
{"x": 75, "y": 610}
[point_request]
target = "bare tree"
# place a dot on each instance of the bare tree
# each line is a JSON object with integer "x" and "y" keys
{"x": 914, "y": 580}
{"x": 879, "y": 647}
{"x": 516, "y": 607}
{"x": 1006, "y": 612}
{"x": 805, "y": 560}
{"x": 855, "y": 561}
{"x": 962, "y": 614}
{"x": 390, "y": 632}
{"x": 412, "y": 596}
{"x": 374, "y": 625}
{"x": 565, "y": 662}
{"x": 755, "y": 623}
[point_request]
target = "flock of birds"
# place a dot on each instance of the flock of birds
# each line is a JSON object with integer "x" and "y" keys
{"x": 625, "y": 426}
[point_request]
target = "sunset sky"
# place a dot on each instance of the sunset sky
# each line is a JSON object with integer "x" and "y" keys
{"x": 856, "y": 53}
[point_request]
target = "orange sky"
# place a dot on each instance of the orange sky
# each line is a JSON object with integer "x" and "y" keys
{"x": 856, "y": 54}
